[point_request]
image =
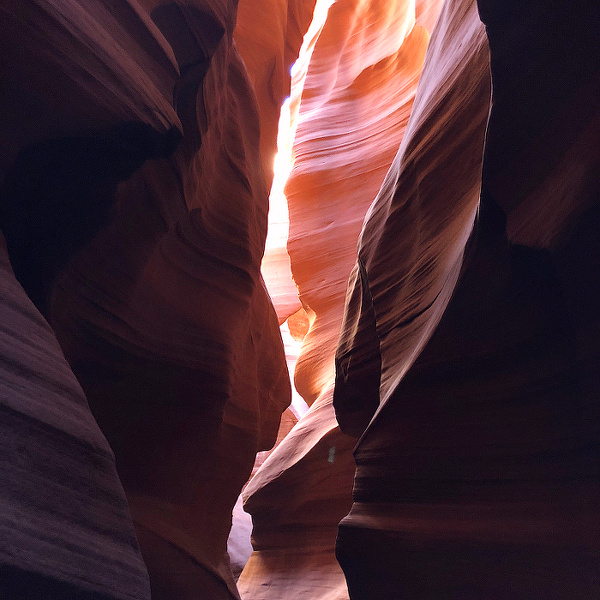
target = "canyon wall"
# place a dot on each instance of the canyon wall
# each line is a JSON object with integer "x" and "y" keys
{"x": 453, "y": 383}
{"x": 353, "y": 111}
{"x": 65, "y": 527}
{"x": 477, "y": 469}
{"x": 134, "y": 205}
{"x": 269, "y": 35}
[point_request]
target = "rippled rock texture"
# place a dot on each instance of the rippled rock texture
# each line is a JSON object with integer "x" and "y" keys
{"x": 138, "y": 139}
{"x": 353, "y": 111}
{"x": 134, "y": 204}
{"x": 477, "y": 469}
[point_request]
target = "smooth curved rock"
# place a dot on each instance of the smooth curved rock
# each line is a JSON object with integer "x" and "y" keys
{"x": 541, "y": 161}
{"x": 268, "y": 35}
{"x": 486, "y": 494}
{"x": 477, "y": 476}
{"x": 159, "y": 305}
{"x": 134, "y": 167}
{"x": 355, "y": 104}
{"x": 296, "y": 500}
{"x": 419, "y": 222}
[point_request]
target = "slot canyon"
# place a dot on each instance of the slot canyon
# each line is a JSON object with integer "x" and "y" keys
{"x": 300, "y": 300}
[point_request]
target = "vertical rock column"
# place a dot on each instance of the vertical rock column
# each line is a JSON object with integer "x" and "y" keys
{"x": 268, "y": 35}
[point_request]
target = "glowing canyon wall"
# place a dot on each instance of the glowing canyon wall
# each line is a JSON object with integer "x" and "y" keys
{"x": 443, "y": 227}
{"x": 477, "y": 465}
{"x": 354, "y": 108}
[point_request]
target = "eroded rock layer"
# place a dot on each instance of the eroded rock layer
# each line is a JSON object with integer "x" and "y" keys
{"x": 478, "y": 475}
{"x": 296, "y": 500}
{"x": 65, "y": 527}
{"x": 268, "y": 35}
{"x": 354, "y": 108}
{"x": 137, "y": 147}
{"x": 136, "y": 220}
{"x": 356, "y": 101}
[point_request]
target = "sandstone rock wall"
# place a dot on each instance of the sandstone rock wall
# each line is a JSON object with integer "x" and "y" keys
{"x": 354, "y": 107}
{"x": 149, "y": 270}
{"x": 477, "y": 476}
{"x": 419, "y": 222}
{"x": 268, "y": 35}
{"x": 136, "y": 156}
{"x": 65, "y": 527}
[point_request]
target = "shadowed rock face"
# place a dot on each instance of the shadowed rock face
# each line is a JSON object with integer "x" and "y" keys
{"x": 477, "y": 476}
{"x": 419, "y": 222}
{"x": 137, "y": 144}
{"x": 166, "y": 330}
{"x": 59, "y": 193}
{"x": 138, "y": 227}
{"x": 65, "y": 527}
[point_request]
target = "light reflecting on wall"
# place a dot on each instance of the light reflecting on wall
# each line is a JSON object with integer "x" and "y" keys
{"x": 276, "y": 268}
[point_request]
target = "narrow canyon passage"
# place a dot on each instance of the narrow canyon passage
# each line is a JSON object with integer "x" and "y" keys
{"x": 430, "y": 256}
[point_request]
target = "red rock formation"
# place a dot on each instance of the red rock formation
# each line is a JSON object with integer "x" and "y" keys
{"x": 419, "y": 222}
{"x": 296, "y": 499}
{"x": 151, "y": 275}
{"x": 133, "y": 199}
{"x": 268, "y": 35}
{"x": 541, "y": 157}
{"x": 356, "y": 101}
{"x": 354, "y": 109}
{"x": 478, "y": 475}
{"x": 66, "y": 529}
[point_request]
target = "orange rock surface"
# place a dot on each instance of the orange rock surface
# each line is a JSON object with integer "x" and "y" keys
{"x": 138, "y": 145}
{"x": 420, "y": 221}
{"x": 354, "y": 107}
{"x": 268, "y": 35}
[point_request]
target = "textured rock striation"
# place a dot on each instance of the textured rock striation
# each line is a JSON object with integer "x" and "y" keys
{"x": 65, "y": 527}
{"x": 419, "y": 222}
{"x": 134, "y": 204}
{"x": 354, "y": 107}
{"x": 138, "y": 139}
{"x": 477, "y": 468}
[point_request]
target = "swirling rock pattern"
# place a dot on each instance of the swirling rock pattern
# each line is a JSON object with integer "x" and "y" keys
{"x": 355, "y": 105}
{"x": 142, "y": 243}
{"x": 477, "y": 469}
{"x": 354, "y": 108}
{"x": 137, "y": 144}
{"x": 296, "y": 499}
